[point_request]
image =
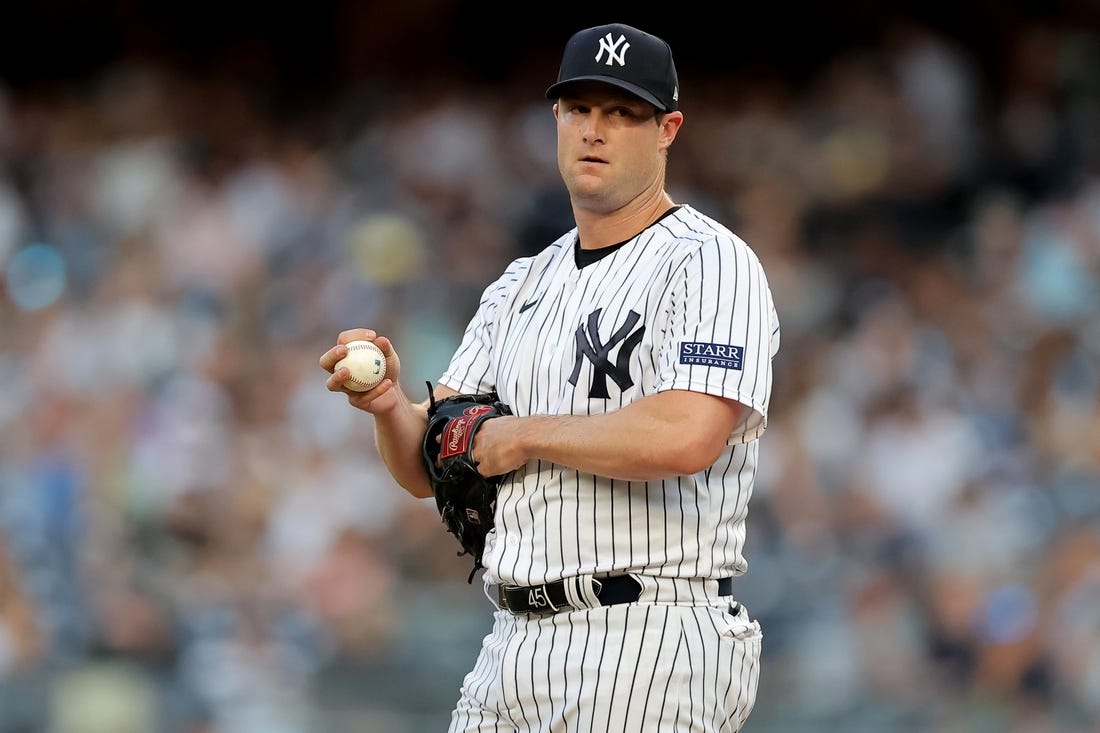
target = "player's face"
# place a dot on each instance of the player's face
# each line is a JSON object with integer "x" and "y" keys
{"x": 610, "y": 146}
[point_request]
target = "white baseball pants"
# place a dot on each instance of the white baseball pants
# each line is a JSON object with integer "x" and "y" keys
{"x": 621, "y": 669}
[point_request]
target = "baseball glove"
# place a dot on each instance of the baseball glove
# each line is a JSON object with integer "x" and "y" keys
{"x": 466, "y": 500}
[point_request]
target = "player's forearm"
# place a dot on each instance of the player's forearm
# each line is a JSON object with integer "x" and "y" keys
{"x": 587, "y": 444}
{"x": 399, "y": 433}
{"x": 636, "y": 443}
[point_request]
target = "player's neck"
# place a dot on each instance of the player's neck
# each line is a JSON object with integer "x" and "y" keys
{"x": 597, "y": 229}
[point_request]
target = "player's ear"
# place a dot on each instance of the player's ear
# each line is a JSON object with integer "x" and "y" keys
{"x": 669, "y": 125}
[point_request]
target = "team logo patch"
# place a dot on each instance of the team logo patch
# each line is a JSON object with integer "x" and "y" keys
{"x": 700, "y": 353}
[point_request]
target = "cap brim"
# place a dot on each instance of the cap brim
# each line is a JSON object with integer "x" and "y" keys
{"x": 555, "y": 91}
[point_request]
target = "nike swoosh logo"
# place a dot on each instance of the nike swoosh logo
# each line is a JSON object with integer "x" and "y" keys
{"x": 528, "y": 305}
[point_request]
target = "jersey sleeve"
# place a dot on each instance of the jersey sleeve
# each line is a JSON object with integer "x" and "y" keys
{"x": 471, "y": 369}
{"x": 721, "y": 331}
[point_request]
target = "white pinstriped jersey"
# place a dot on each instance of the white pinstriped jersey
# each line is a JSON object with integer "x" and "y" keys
{"x": 685, "y": 304}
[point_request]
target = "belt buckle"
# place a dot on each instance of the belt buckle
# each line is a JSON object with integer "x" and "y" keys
{"x": 502, "y": 598}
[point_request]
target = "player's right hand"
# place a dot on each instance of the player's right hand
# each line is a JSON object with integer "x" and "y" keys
{"x": 380, "y": 399}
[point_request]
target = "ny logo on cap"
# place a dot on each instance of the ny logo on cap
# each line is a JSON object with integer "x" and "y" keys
{"x": 614, "y": 53}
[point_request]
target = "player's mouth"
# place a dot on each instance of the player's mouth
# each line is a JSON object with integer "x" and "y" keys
{"x": 592, "y": 159}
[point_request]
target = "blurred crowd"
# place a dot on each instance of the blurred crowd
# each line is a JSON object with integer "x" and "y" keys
{"x": 196, "y": 537}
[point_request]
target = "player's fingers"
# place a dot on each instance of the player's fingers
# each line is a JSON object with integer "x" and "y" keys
{"x": 335, "y": 382}
{"x": 329, "y": 358}
{"x": 385, "y": 344}
{"x": 377, "y": 400}
{"x": 356, "y": 334}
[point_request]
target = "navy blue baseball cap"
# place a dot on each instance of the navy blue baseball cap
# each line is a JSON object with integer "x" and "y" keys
{"x": 622, "y": 56}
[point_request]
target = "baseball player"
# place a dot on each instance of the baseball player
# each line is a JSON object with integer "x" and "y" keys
{"x": 635, "y": 353}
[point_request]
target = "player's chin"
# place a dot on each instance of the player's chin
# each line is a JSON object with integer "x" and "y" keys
{"x": 589, "y": 176}
{"x": 588, "y": 190}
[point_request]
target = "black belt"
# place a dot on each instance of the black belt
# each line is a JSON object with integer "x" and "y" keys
{"x": 551, "y": 597}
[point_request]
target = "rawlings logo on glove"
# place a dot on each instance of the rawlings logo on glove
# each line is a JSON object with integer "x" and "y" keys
{"x": 466, "y": 500}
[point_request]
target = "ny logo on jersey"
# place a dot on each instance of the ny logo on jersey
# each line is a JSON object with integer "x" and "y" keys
{"x": 615, "y": 54}
{"x": 591, "y": 347}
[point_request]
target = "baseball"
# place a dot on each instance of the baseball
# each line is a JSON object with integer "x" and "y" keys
{"x": 366, "y": 363}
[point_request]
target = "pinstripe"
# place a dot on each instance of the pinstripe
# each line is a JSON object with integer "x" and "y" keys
{"x": 666, "y": 693}
{"x": 521, "y": 688}
{"x": 729, "y": 723}
{"x": 634, "y": 680}
{"x": 557, "y": 644}
{"x": 745, "y": 675}
{"x": 535, "y": 671}
{"x": 691, "y": 281}
{"x": 616, "y": 678}
{"x": 600, "y": 680}
{"x": 574, "y": 693}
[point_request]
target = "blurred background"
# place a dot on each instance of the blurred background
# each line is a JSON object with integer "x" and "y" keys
{"x": 196, "y": 537}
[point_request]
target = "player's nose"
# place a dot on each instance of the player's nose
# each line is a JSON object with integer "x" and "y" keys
{"x": 593, "y": 129}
